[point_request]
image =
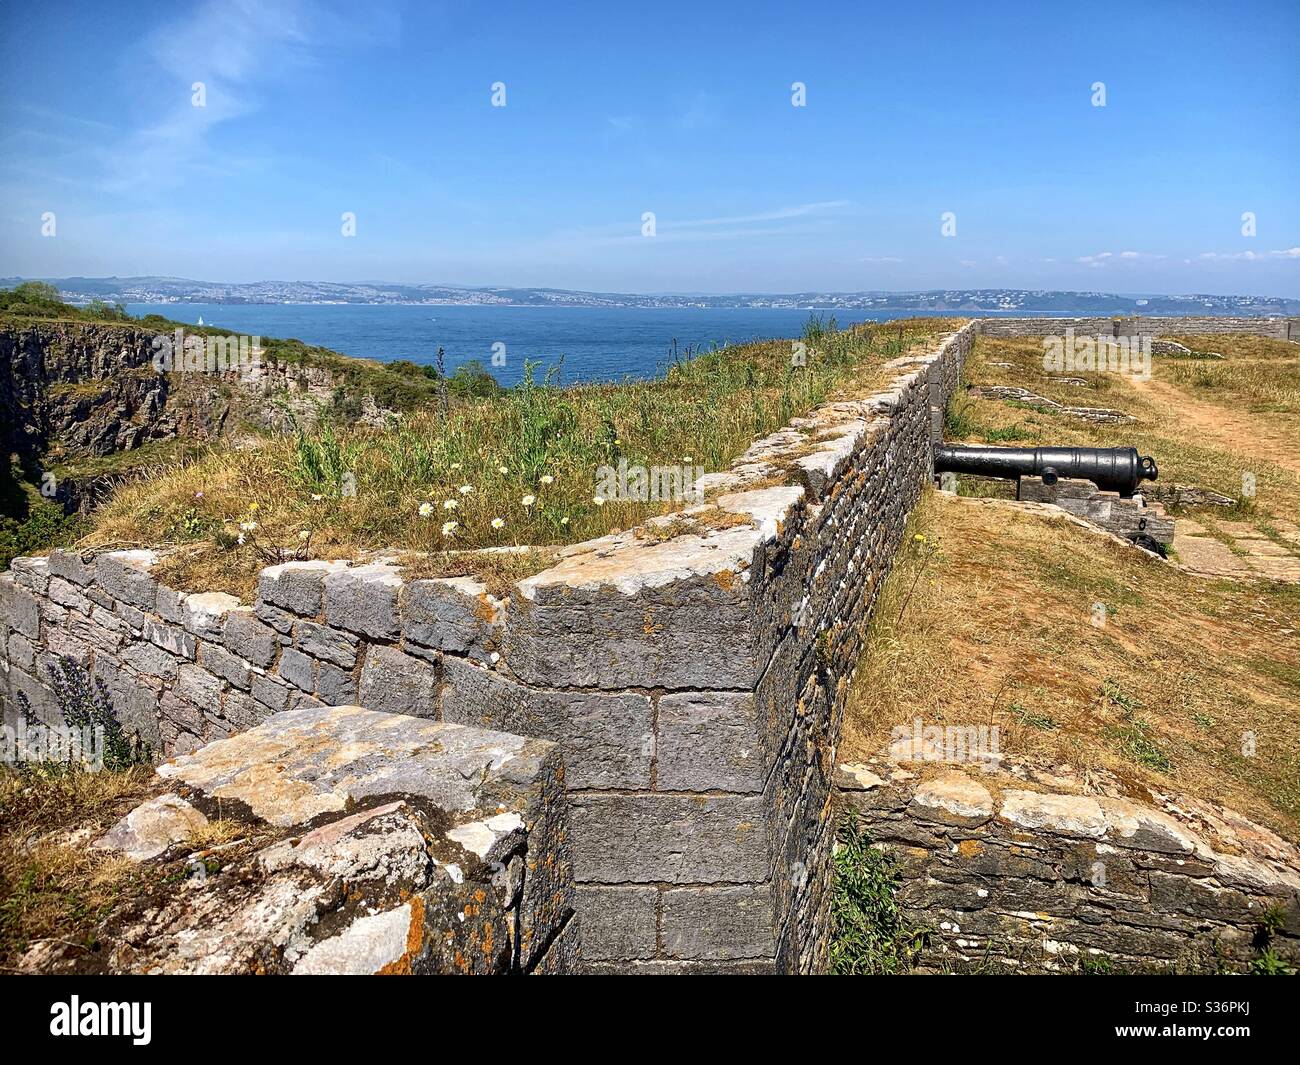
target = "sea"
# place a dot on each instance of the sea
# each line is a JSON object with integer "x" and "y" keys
{"x": 596, "y": 343}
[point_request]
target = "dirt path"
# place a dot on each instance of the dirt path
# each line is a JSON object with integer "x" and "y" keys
{"x": 1236, "y": 429}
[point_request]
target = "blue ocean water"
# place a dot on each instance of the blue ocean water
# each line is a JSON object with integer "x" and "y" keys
{"x": 598, "y": 344}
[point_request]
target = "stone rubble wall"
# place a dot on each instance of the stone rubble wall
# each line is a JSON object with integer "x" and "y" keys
{"x": 695, "y": 683}
{"x": 1107, "y": 510}
{"x": 362, "y": 843}
{"x": 1278, "y": 328}
{"x": 1018, "y": 869}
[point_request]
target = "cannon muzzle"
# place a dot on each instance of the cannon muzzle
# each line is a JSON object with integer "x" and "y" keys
{"x": 1112, "y": 469}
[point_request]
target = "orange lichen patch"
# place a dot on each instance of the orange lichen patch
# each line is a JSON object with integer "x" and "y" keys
{"x": 726, "y": 579}
{"x": 483, "y": 609}
{"x": 968, "y": 848}
{"x": 414, "y": 942}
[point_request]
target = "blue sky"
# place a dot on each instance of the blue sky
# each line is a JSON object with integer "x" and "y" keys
{"x": 912, "y": 110}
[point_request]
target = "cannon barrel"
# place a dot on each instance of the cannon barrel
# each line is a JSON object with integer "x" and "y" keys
{"x": 1112, "y": 469}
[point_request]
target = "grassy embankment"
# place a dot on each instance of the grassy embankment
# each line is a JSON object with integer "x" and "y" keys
{"x": 999, "y": 624}
{"x": 514, "y": 469}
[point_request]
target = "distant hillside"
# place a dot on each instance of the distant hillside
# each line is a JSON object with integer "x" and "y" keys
{"x": 958, "y": 301}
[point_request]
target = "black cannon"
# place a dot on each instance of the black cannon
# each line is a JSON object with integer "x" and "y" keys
{"x": 1112, "y": 469}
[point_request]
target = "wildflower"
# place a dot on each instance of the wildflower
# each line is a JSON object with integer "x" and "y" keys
{"x": 528, "y": 501}
{"x": 247, "y": 526}
{"x": 503, "y": 470}
{"x": 598, "y": 500}
{"x": 316, "y": 497}
{"x": 240, "y": 540}
{"x": 498, "y": 523}
{"x": 252, "y": 507}
{"x": 198, "y": 495}
{"x": 303, "y": 534}
{"x": 688, "y": 459}
{"x": 547, "y": 478}
{"x": 426, "y": 509}
{"x": 919, "y": 538}
{"x": 455, "y": 465}
{"x": 564, "y": 520}
{"x": 465, "y": 489}
{"x": 449, "y": 504}
{"x": 449, "y": 528}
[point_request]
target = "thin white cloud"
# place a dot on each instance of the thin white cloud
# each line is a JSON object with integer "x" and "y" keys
{"x": 1247, "y": 256}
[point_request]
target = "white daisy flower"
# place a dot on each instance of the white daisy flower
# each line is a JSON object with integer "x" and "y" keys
{"x": 598, "y": 500}
{"x": 528, "y": 501}
{"x": 449, "y": 528}
{"x": 426, "y": 509}
{"x": 449, "y": 504}
{"x": 498, "y": 523}
{"x": 465, "y": 489}
{"x": 547, "y": 478}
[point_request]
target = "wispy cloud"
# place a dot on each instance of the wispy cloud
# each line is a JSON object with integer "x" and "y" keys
{"x": 1109, "y": 258}
{"x": 1246, "y": 256}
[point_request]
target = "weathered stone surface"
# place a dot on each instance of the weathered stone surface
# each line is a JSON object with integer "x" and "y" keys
{"x": 620, "y": 923}
{"x": 454, "y": 614}
{"x": 629, "y": 839}
{"x": 221, "y": 663}
{"x": 152, "y": 827}
{"x": 205, "y": 614}
{"x": 364, "y": 600}
{"x": 298, "y": 669}
{"x": 396, "y": 683}
{"x": 297, "y": 587}
{"x": 1071, "y": 815}
{"x": 270, "y": 691}
{"x": 326, "y": 644}
{"x": 718, "y": 923}
{"x": 953, "y": 799}
{"x": 427, "y": 824}
{"x": 71, "y": 566}
{"x": 250, "y": 638}
{"x": 337, "y": 687}
{"x": 710, "y": 742}
{"x": 608, "y": 739}
{"x": 125, "y": 576}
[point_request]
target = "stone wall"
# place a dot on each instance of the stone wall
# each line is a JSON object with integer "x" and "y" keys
{"x": 693, "y": 672}
{"x": 1027, "y": 869}
{"x": 1278, "y": 328}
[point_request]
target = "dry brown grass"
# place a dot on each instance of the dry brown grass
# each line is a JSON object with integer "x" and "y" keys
{"x": 52, "y": 885}
{"x": 1202, "y": 436}
{"x": 999, "y": 630}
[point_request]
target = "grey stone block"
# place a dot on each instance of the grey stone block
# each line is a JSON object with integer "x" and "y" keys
{"x": 197, "y": 686}
{"x": 221, "y": 663}
{"x": 154, "y": 661}
{"x": 618, "y": 923}
{"x": 607, "y": 738}
{"x": 296, "y": 586}
{"x": 125, "y": 576}
{"x": 718, "y": 923}
{"x": 298, "y": 669}
{"x": 170, "y": 605}
{"x": 709, "y": 742}
{"x": 71, "y": 567}
{"x": 329, "y": 645}
{"x": 365, "y": 600}
{"x": 280, "y": 620}
{"x": 335, "y": 686}
{"x": 20, "y": 609}
{"x": 68, "y": 595}
{"x": 396, "y": 683}
{"x": 250, "y": 638}
{"x": 271, "y": 692}
{"x": 204, "y": 614}
{"x": 454, "y": 614}
{"x": 675, "y": 839}
{"x": 171, "y": 638}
